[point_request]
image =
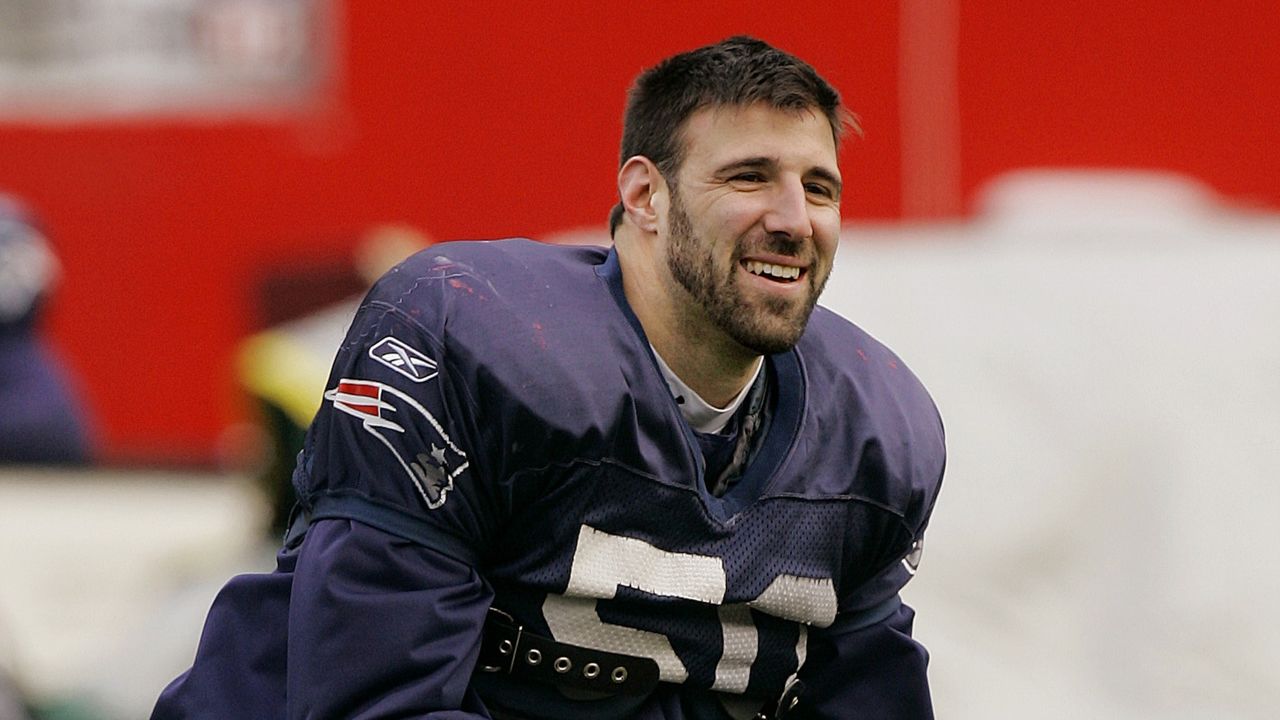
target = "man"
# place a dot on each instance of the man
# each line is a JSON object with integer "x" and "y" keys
{"x": 684, "y": 491}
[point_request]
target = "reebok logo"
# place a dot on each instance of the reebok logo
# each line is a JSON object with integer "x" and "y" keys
{"x": 403, "y": 359}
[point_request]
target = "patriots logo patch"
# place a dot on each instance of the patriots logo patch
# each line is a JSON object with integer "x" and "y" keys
{"x": 428, "y": 456}
{"x": 403, "y": 359}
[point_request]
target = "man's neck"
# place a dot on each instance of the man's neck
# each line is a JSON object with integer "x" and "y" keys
{"x": 716, "y": 375}
{"x": 706, "y": 359}
{"x": 700, "y": 414}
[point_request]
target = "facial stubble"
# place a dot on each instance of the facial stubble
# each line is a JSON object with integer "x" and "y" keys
{"x": 769, "y": 325}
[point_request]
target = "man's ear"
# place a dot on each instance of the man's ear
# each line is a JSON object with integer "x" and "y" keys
{"x": 643, "y": 191}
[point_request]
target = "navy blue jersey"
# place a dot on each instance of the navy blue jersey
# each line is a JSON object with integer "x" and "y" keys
{"x": 496, "y": 430}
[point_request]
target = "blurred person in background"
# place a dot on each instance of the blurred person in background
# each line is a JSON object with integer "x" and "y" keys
{"x": 41, "y": 418}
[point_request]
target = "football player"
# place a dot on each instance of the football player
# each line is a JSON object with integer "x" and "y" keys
{"x": 655, "y": 481}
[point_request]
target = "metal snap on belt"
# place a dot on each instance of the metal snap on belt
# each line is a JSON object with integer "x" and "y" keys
{"x": 563, "y": 665}
{"x": 533, "y": 657}
{"x": 619, "y": 675}
{"x": 504, "y": 647}
{"x": 591, "y": 671}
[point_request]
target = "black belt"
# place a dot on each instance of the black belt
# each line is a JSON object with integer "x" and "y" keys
{"x": 509, "y": 648}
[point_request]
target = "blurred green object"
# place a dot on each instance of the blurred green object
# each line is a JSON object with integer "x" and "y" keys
{"x": 285, "y": 368}
{"x": 66, "y": 709}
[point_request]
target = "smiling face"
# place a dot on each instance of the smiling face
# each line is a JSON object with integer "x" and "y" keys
{"x": 753, "y": 222}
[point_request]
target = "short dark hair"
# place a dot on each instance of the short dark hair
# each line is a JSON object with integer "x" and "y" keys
{"x": 738, "y": 71}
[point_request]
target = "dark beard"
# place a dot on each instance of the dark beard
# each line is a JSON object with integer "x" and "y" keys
{"x": 721, "y": 298}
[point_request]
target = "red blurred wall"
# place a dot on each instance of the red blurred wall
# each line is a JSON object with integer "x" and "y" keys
{"x": 502, "y": 121}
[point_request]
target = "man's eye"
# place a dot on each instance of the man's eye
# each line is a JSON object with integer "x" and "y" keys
{"x": 750, "y": 177}
{"x": 819, "y": 190}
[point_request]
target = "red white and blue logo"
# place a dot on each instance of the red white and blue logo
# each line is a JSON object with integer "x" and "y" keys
{"x": 418, "y": 441}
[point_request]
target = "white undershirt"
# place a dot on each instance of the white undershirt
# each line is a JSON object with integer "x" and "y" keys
{"x": 701, "y": 415}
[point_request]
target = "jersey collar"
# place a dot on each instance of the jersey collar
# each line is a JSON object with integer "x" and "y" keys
{"x": 784, "y": 424}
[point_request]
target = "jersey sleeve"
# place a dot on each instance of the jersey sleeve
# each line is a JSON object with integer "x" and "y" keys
{"x": 380, "y": 626}
{"x": 875, "y": 669}
{"x": 867, "y": 659}
{"x": 388, "y": 604}
{"x": 396, "y": 444}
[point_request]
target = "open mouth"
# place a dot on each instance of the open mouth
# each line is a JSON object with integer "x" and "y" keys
{"x": 770, "y": 271}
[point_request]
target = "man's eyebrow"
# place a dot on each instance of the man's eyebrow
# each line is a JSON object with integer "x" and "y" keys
{"x": 824, "y": 174}
{"x": 749, "y": 163}
{"x": 768, "y": 163}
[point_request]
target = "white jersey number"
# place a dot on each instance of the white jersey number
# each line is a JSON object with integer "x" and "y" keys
{"x": 604, "y": 562}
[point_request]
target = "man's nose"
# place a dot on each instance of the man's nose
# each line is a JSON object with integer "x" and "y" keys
{"x": 789, "y": 211}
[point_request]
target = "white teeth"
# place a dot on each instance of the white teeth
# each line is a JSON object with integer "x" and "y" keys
{"x": 782, "y": 272}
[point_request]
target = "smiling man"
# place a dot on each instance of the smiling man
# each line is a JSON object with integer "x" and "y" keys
{"x": 653, "y": 482}
{"x": 764, "y": 187}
